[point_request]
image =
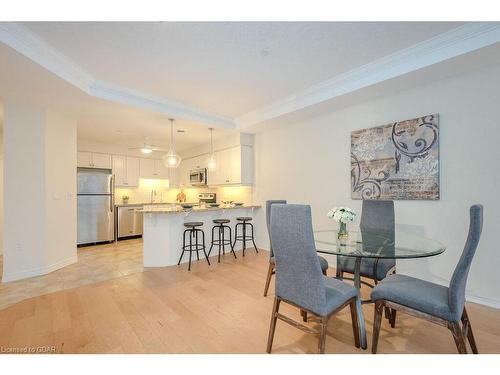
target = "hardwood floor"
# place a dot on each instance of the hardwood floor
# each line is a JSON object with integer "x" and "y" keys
{"x": 216, "y": 309}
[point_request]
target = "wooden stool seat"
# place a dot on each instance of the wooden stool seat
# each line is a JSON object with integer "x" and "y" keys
{"x": 221, "y": 221}
{"x": 193, "y": 224}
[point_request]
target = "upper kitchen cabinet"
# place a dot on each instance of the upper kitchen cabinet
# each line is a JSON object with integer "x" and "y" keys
{"x": 153, "y": 168}
{"x": 93, "y": 160}
{"x": 126, "y": 171}
{"x": 234, "y": 166}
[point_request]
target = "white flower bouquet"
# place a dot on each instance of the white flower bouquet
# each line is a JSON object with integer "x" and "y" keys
{"x": 342, "y": 214}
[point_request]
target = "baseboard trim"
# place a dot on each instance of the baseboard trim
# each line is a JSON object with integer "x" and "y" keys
{"x": 490, "y": 302}
{"x": 39, "y": 271}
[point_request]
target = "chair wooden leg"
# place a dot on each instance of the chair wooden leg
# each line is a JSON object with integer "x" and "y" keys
{"x": 392, "y": 318}
{"x": 303, "y": 313}
{"x": 322, "y": 335}
{"x": 270, "y": 271}
{"x": 355, "y": 323}
{"x": 468, "y": 328}
{"x": 458, "y": 336}
{"x": 339, "y": 274}
{"x": 272, "y": 327}
{"x": 377, "y": 320}
{"x": 387, "y": 313}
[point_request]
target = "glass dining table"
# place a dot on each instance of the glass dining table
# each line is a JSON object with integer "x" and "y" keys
{"x": 374, "y": 244}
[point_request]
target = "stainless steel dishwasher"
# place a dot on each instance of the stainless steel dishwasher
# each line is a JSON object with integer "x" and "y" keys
{"x": 129, "y": 221}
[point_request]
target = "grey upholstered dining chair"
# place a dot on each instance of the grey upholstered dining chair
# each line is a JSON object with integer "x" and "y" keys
{"x": 375, "y": 214}
{"x": 299, "y": 280}
{"x": 437, "y": 303}
{"x": 270, "y": 271}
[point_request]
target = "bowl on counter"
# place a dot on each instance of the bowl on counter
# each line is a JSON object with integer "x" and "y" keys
{"x": 186, "y": 206}
{"x": 214, "y": 204}
{"x": 238, "y": 204}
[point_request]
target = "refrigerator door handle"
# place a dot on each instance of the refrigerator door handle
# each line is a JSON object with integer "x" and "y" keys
{"x": 111, "y": 190}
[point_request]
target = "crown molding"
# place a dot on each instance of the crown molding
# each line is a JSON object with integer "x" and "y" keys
{"x": 27, "y": 43}
{"x": 456, "y": 42}
{"x": 459, "y": 41}
{"x": 108, "y": 91}
{"x": 22, "y": 40}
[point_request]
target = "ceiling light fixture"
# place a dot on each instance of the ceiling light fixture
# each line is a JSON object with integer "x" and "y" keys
{"x": 171, "y": 159}
{"x": 211, "y": 161}
{"x": 146, "y": 149}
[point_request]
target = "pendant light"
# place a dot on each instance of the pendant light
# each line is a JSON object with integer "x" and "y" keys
{"x": 171, "y": 159}
{"x": 211, "y": 161}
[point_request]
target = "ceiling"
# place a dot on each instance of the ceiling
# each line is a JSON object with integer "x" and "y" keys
{"x": 98, "y": 120}
{"x": 123, "y": 80}
{"x": 229, "y": 68}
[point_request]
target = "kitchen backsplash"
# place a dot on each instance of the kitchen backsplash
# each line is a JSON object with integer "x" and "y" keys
{"x": 142, "y": 194}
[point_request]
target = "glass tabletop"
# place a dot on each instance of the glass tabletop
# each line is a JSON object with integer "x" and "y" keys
{"x": 371, "y": 243}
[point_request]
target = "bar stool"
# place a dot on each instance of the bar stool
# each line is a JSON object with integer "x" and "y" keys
{"x": 244, "y": 221}
{"x": 192, "y": 230}
{"x": 221, "y": 241}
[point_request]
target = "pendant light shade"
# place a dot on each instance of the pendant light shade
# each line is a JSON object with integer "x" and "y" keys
{"x": 211, "y": 161}
{"x": 171, "y": 159}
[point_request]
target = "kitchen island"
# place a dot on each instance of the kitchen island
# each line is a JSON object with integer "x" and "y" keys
{"x": 164, "y": 227}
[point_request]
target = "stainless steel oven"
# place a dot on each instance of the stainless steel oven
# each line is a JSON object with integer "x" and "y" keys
{"x": 198, "y": 177}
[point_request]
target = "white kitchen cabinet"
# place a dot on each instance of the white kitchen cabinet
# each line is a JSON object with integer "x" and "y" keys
{"x": 126, "y": 171}
{"x": 183, "y": 174}
{"x": 147, "y": 168}
{"x": 160, "y": 169}
{"x": 153, "y": 168}
{"x": 84, "y": 159}
{"x": 234, "y": 166}
{"x": 93, "y": 160}
{"x": 101, "y": 160}
{"x": 133, "y": 171}
{"x": 119, "y": 170}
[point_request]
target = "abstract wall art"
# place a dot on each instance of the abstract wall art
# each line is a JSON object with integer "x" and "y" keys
{"x": 398, "y": 161}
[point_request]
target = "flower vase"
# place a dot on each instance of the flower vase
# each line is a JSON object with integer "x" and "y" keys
{"x": 343, "y": 231}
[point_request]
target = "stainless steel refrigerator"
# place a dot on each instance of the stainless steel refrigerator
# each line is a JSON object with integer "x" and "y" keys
{"x": 95, "y": 206}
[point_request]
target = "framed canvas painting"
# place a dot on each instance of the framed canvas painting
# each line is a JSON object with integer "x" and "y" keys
{"x": 398, "y": 161}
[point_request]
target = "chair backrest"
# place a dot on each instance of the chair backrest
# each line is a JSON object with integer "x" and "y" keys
{"x": 456, "y": 296}
{"x": 269, "y": 203}
{"x": 377, "y": 214}
{"x": 298, "y": 272}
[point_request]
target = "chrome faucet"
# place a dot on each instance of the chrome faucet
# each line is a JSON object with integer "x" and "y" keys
{"x": 153, "y": 196}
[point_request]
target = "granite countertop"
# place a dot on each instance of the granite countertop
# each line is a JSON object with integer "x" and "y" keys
{"x": 178, "y": 209}
{"x": 151, "y": 204}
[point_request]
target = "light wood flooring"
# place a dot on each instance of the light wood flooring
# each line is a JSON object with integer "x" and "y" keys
{"x": 216, "y": 309}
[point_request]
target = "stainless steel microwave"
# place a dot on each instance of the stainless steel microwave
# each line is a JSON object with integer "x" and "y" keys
{"x": 198, "y": 177}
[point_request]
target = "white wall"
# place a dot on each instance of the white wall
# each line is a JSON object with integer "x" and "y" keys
{"x": 309, "y": 162}
{"x": 60, "y": 189}
{"x": 1, "y": 195}
{"x": 39, "y": 191}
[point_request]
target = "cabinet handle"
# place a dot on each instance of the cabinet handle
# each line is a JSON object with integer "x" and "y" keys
{"x": 227, "y": 180}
